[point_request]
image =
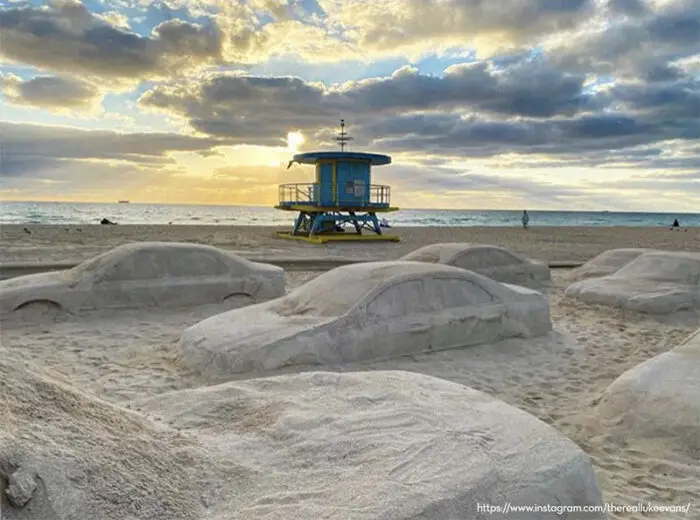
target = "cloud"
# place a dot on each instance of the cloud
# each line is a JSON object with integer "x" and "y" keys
{"x": 39, "y": 162}
{"x": 633, "y": 39}
{"x": 479, "y": 109}
{"x": 417, "y": 26}
{"x": 51, "y": 92}
{"x": 451, "y": 135}
{"x": 28, "y": 150}
{"x": 115, "y": 19}
{"x": 258, "y": 109}
{"x": 66, "y": 37}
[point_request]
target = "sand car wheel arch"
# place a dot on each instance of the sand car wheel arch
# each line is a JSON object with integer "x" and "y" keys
{"x": 238, "y": 299}
{"x": 40, "y": 308}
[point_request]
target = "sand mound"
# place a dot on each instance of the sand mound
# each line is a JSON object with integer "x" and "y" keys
{"x": 656, "y": 283}
{"x": 370, "y": 445}
{"x": 494, "y": 262}
{"x": 659, "y": 400}
{"x": 370, "y": 311}
{"x": 608, "y": 262}
{"x": 65, "y": 455}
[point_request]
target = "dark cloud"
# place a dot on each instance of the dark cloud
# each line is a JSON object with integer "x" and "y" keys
{"x": 628, "y": 7}
{"x": 32, "y": 149}
{"x": 50, "y": 92}
{"x": 679, "y": 100}
{"x": 261, "y": 109}
{"x": 645, "y": 43}
{"x": 66, "y": 37}
{"x": 475, "y": 137}
{"x": 481, "y": 109}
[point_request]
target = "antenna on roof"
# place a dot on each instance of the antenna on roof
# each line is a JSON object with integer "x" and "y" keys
{"x": 343, "y": 137}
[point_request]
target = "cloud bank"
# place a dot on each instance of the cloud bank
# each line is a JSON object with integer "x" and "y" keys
{"x": 561, "y": 104}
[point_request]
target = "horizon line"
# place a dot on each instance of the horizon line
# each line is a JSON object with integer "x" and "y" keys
{"x": 400, "y": 209}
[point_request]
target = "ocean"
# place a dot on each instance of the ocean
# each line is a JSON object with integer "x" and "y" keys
{"x": 92, "y": 213}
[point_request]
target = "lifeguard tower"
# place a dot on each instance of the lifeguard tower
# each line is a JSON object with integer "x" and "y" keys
{"x": 342, "y": 194}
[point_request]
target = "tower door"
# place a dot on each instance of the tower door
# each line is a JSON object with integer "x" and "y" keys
{"x": 343, "y": 179}
{"x": 326, "y": 182}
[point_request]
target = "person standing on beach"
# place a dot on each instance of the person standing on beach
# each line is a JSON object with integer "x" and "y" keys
{"x": 525, "y": 219}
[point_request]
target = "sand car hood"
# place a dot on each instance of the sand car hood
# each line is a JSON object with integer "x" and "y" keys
{"x": 19, "y": 290}
{"x": 33, "y": 280}
{"x": 248, "y": 340}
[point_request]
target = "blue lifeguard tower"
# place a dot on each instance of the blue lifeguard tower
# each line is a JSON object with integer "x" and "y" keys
{"x": 342, "y": 194}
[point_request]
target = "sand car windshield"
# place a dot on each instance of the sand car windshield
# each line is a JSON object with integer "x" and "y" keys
{"x": 484, "y": 258}
{"x": 336, "y": 292}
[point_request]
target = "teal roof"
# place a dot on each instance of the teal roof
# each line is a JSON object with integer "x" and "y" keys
{"x": 374, "y": 159}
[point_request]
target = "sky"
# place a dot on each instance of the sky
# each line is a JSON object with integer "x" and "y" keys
{"x": 482, "y": 104}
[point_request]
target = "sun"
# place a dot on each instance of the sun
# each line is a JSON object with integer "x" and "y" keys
{"x": 294, "y": 141}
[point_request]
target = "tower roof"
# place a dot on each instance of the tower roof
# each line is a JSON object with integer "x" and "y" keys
{"x": 374, "y": 159}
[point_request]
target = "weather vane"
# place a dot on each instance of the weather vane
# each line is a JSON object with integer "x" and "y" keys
{"x": 343, "y": 137}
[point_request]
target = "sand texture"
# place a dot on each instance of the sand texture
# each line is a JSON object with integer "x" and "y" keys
{"x": 104, "y": 362}
{"x": 56, "y": 243}
{"x": 378, "y": 445}
{"x": 88, "y": 458}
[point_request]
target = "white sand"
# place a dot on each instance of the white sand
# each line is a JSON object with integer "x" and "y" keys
{"x": 127, "y": 355}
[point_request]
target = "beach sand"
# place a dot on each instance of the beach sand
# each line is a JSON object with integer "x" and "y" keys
{"x": 61, "y": 243}
{"x": 128, "y": 355}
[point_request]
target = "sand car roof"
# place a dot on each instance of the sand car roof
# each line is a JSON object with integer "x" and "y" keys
{"x": 445, "y": 251}
{"x": 337, "y": 291}
{"x": 663, "y": 266}
{"x": 91, "y": 269}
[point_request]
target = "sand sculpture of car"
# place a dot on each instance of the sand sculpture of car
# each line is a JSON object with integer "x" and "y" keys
{"x": 493, "y": 262}
{"x": 659, "y": 399}
{"x": 370, "y": 310}
{"x": 609, "y": 261}
{"x": 146, "y": 274}
{"x": 659, "y": 282}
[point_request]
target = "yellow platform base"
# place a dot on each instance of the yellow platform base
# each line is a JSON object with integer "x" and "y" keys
{"x": 337, "y": 237}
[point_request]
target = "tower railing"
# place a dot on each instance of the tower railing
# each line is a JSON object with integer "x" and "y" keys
{"x": 309, "y": 194}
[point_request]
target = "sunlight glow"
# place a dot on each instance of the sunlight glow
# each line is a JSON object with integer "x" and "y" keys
{"x": 294, "y": 141}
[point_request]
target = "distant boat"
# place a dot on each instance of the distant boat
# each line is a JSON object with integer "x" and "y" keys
{"x": 123, "y": 202}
